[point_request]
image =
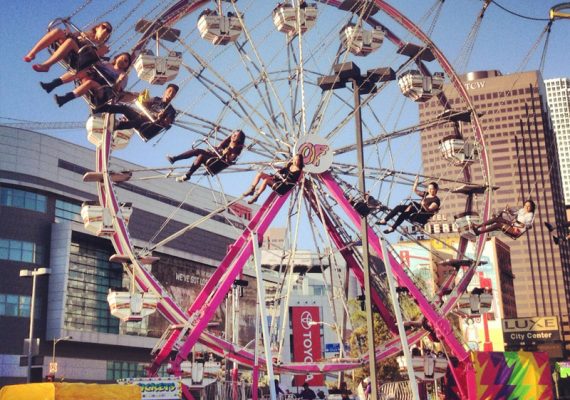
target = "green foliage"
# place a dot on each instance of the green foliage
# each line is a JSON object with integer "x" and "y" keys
{"x": 386, "y": 370}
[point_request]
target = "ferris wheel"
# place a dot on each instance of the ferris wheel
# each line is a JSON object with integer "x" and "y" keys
{"x": 297, "y": 78}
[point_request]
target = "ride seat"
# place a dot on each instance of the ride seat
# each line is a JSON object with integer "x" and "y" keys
{"x": 215, "y": 165}
{"x": 360, "y": 41}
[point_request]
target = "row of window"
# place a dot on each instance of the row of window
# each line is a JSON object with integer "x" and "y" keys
{"x": 11, "y": 197}
{"x": 12, "y": 305}
{"x": 123, "y": 369}
{"x": 18, "y": 250}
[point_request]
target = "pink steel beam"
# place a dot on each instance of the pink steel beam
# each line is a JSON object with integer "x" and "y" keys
{"x": 441, "y": 324}
{"x": 205, "y": 314}
{"x": 121, "y": 240}
{"x": 347, "y": 253}
{"x": 234, "y": 250}
{"x": 234, "y": 352}
{"x": 217, "y": 277}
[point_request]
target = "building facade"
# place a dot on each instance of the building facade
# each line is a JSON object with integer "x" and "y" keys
{"x": 523, "y": 164}
{"x": 41, "y": 192}
{"x": 558, "y": 96}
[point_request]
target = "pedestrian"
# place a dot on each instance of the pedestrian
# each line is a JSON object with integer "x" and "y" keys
{"x": 307, "y": 393}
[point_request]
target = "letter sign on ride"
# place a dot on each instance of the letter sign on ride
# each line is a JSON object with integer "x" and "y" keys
{"x": 316, "y": 152}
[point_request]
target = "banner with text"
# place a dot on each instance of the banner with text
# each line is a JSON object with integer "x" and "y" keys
{"x": 527, "y": 331}
{"x": 306, "y": 342}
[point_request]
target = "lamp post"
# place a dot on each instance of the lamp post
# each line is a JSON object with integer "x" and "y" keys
{"x": 53, "y": 364}
{"x": 361, "y": 84}
{"x": 33, "y": 274}
{"x": 335, "y": 328}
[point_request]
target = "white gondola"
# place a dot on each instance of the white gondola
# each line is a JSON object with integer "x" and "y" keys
{"x": 157, "y": 70}
{"x": 429, "y": 367}
{"x": 132, "y": 307}
{"x": 96, "y": 127}
{"x": 465, "y": 223}
{"x": 287, "y": 18}
{"x": 360, "y": 41}
{"x": 99, "y": 221}
{"x": 458, "y": 151}
{"x": 474, "y": 304}
{"x": 419, "y": 87}
{"x": 219, "y": 29}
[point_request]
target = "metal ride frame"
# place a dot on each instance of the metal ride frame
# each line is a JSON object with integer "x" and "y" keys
{"x": 188, "y": 327}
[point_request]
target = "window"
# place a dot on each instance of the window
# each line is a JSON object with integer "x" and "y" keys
{"x": 22, "y": 199}
{"x": 68, "y": 211}
{"x": 318, "y": 290}
{"x": 17, "y": 250}
{"x": 12, "y": 305}
{"x": 90, "y": 277}
{"x": 123, "y": 369}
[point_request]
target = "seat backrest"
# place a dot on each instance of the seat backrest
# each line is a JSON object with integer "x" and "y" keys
{"x": 512, "y": 231}
{"x": 215, "y": 165}
{"x": 282, "y": 187}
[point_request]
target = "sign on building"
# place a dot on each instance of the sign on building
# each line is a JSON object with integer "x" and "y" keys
{"x": 157, "y": 388}
{"x": 530, "y": 331}
{"x": 306, "y": 342}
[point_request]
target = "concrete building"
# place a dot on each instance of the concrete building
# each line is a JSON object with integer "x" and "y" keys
{"x": 41, "y": 192}
{"x": 524, "y": 164}
{"x": 558, "y": 97}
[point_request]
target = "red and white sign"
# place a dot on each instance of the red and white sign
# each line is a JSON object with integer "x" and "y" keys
{"x": 306, "y": 342}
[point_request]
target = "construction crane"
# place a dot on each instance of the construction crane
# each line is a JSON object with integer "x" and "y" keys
{"x": 40, "y": 126}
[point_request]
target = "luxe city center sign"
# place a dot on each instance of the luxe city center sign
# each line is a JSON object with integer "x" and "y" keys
{"x": 528, "y": 331}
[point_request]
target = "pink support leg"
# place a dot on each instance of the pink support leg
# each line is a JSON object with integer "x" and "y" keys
{"x": 440, "y": 324}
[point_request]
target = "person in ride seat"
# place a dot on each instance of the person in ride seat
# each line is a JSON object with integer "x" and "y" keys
{"x": 159, "y": 115}
{"x": 419, "y": 212}
{"x": 69, "y": 45}
{"x": 510, "y": 220}
{"x": 555, "y": 238}
{"x": 224, "y": 155}
{"x": 283, "y": 181}
{"x": 95, "y": 79}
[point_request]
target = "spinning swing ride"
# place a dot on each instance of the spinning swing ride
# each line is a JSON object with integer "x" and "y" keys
{"x": 279, "y": 72}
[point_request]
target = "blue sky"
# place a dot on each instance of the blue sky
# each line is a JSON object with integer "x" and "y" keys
{"x": 503, "y": 43}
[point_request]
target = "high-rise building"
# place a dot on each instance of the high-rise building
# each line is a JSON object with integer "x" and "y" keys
{"x": 523, "y": 164}
{"x": 558, "y": 96}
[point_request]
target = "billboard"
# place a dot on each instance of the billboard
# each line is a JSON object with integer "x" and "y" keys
{"x": 185, "y": 279}
{"x": 306, "y": 342}
{"x": 529, "y": 331}
{"x": 483, "y": 332}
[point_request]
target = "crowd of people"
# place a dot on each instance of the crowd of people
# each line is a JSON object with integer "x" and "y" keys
{"x": 307, "y": 393}
{"x": 103, "y": 82}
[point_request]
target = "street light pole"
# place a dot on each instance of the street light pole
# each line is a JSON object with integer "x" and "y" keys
{"x": 56, "y": 341}
{"x": 349, "y": 72}
{"x": 33, "y": 274}
{"x": 364, "y": 236}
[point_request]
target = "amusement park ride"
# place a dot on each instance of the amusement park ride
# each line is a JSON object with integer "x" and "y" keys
{"x": 368, "y": 29}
